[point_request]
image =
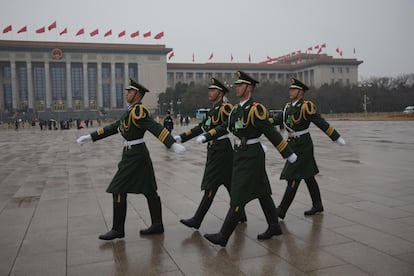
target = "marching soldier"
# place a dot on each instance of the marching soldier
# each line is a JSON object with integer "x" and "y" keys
{"x": 168, "y": 122}
{"x": 219, "y": 152}
{"x": 296, "y": 118}
{"x": 248, "y": 120}
{"x": 135, "y": 171}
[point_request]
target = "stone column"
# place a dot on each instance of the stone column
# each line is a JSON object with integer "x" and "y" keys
{"x": 99, "y": 92}
{"x": 85, "y": 83}
{"x": 69, "y": 101}
{"x": 113, "y": 86}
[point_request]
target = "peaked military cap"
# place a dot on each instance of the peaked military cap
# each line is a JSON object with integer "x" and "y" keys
{"x": 244, "y": 78}
{"x": 136, "y": 86}
{"x": 215, "y": 84}
{"x": 294, "y": 83}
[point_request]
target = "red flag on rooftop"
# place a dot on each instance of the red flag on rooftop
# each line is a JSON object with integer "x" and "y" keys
{"x": 159, "y": 35}
{"x": 135, "y": 34}
{"x": 108, "y": 33}
{"x": 211, "y": 56}
{"x": 337, "y": 50}
{"x": 316, "y": 47}
{"x": 170, "y": 56}
{"x": 40, "y": 30}
{"x": 310, "y": 48}
{"x": 80, "y": 32}
{"x": 147, "y": 34}
{"x": 52, "y": 26}
{"x": 65, "y": 31}
{"x": 22, "y": 30}
{"x": 121, "y": 34}
{"x": 7, "y": 29}
{"x": 94, "y": 32}
{"x": 323, "y": 45}
{"x": 320, "y": 50}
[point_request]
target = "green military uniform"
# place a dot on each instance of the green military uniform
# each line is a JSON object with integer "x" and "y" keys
{"x": 219, "y": 151}
{"x": 250, "y": 179}
{"x": 219, "y": 155}
{"x": 135, "y": 171}
{"x": 296, "y": 119}
{"x": 248, "y": 121}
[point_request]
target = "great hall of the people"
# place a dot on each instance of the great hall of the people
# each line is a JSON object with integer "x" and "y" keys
{"x": 82, "y": 77}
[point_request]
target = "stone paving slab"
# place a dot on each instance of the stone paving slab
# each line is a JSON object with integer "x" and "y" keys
{"x": 53, "y": 206}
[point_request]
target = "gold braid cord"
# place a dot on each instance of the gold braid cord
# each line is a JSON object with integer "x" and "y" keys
{"x": 258, "y": 111}
{"x": 224, "y": 111}
{"x": 134, "y": 117}
{"x": 307, "y": 108}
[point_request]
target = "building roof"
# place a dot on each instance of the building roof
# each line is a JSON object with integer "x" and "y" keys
{"x": 41, "y": 46}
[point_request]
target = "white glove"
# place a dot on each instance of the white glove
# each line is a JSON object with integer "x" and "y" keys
{"x": 84, "y": 139}
{"x": 340, "y": 141}
{"x": 177, "y": 148}
{"x": 292, "y": 158}
{"x": 201, "y": 139}
{"x": 264, "y": 147}
{"x": 177, "y": 138}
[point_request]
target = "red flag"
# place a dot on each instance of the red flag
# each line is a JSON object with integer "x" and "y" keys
{"x": 170, "y": 56}
{"x": 310, "y": 48}
{"x": 211, "y": 56}
{"x": 80, "y": 32}
{"x": 121, "y": 34}
{"x": 147, "y": 34}
{"x": 52, "y": 26}
{"x": 135, "y": 34}
{"x": 7, "y": 29}
{"x": 340, "y": 53}
{"x": 319, "y": 51}
{"x": 94, "y": 32}
{"x": 231, "y": 57}
{"x": 22, "y": 30}
{"x": 159, "y": 35}
{"x": 300, "y": 58}
{"x": 40, "y": 30}
{"x": 337, "y": 50}
{"x": 65, "y": 31}
{"x": 323, "y": 45}
{"x": 108, "y": 33}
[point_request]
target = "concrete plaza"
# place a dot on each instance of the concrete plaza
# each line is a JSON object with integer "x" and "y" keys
{"x": 53, "y": 206}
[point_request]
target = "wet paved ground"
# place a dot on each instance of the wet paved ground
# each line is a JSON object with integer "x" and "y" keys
{"x": 53, "y": 206}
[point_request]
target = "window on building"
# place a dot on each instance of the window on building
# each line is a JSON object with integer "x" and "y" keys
{"x": 209, "y": 75}
{"x": 39, "y": 82}
{"x": 189, "y": 75}
{"x": 77, "y": 81}
{"x": 332, "y": 81}
{"x": 22, "y": 81}
{"x": 119, "y": 95}
{"x": 340, "y": 69}
{"x": 58, "y": 81}
{"x": 199, "y": 76}
{"x": 106, "y": 95}
{"x": 106, "y": 71}
{"x": 119, "y": 71}
{"x": 59, "y": 105}
{"x": 6, "y": 72}
{"x": 133, "y": 71}
{"x": 347, "y": 70}
{"x": 179, "y": 75}
{"x": 8, "y": 100}
{"x": 77, "y": 105}
{"x": 348, "y": 82}
{"x": 92, "y": 105}
{"x": 92, "y": 81}
{"x": 332, "y": 70}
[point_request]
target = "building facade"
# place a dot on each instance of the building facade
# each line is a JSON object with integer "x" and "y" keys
{"x": 56, "y": 76}
{"x": 79, "y": 77}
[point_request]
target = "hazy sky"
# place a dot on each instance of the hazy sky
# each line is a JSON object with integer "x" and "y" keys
{"x": 381, "y": 32}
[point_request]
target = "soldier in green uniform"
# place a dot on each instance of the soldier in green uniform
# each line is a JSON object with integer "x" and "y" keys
{"x": 135, "y": 171}
{"x": 296, "y": 118}
{"x": 219, "y": 152}
{"x": 248, "y": 120}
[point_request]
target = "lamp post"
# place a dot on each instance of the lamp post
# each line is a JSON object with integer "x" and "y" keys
{"x": 178, "y": 106}
{"x": 172, "y": 107}
{"x": 365, "y": 98}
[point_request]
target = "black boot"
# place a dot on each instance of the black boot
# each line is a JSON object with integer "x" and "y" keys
{"x": 269, "y": 210}
{"x": 315, "y": 194}
{"x": 288, "y": 196}
{"x": 230, "y": 223}
{"x": 119, "y": 214}
{"x": 202, "y": 209}
{"x": 242, "y": 216}
{"x": 154, "y": 205}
